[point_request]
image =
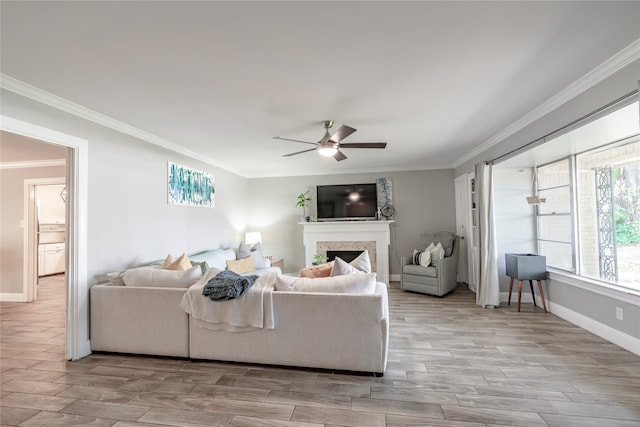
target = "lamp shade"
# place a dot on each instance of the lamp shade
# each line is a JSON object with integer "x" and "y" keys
{"x": 252, "y": 238}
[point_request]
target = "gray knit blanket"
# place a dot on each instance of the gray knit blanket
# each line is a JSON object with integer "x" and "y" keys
{"x": 228, "y": 285}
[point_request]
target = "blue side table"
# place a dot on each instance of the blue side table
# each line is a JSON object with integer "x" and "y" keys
{"x": 526, "y": 267}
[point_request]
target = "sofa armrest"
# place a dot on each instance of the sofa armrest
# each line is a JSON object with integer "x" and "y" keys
{"x": 405, "y": 260}
{"x": 139, "y": 320}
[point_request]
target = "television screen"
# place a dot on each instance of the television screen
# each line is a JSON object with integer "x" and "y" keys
{"x": 352, "y": 201}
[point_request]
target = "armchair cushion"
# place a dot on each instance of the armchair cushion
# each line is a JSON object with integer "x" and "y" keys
{"x": 444, "y": 237}
{"x": 419, "y": 270}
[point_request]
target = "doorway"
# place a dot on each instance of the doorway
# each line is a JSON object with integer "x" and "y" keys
{"x": 77, "y": 342}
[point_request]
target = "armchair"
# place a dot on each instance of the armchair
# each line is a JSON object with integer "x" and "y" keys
{"x": 436, "y": 279}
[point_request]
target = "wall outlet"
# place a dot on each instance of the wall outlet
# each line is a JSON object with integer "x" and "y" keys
{"x": 619, "y": 313}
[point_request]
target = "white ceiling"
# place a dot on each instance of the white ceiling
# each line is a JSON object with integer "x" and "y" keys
{"x": 432, "y": 79}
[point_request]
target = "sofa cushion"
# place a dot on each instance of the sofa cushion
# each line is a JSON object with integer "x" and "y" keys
{"x": 215, "y": 258}
{"x": 159, "y": 277}
{"x": 241, "y": 265}
{"x": 364, "y": 283}
{"x": 323, "y": 270}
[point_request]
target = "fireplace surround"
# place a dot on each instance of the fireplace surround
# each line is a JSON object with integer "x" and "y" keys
{"x": 374, "y": 236}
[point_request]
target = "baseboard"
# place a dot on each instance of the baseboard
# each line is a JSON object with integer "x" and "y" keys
{"x": 13, "y": 297}
{"x": 394, "y": 277}
{"x": 608, "y": 333}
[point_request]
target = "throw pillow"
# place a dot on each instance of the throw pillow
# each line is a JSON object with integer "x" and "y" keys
{"x": 362, "y": 262}
{"x": 323, "y": 270}
{"x": 182, "y": 263}
{"x": 241, "y": 265}
{"x": 422, "y": 258}
{"x": 159, "y": 277}
{"x": 351, "y": 283}
{"x": 437, "y": 253}
{"x": 168, "y": 261}
{"x": 203, "y": 265}
{"x": 341, "y": 267}
{"x": 115, "y": 278}
{"x": 245, "y": 251}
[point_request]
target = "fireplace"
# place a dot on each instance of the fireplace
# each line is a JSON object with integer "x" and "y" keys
{"x": 347, "y": 256}
{"x": 351, "y": 236}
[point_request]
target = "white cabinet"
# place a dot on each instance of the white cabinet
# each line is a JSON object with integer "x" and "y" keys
{"x": 51, "y": 259}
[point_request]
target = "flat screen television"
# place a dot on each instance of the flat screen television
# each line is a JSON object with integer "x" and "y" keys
{"x": 347, "y": 202}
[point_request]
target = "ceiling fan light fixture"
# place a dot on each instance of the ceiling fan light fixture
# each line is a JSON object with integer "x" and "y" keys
{"x": 327, "y": 150}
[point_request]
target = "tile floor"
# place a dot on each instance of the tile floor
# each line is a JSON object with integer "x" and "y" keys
{"x": 451, "y": 363}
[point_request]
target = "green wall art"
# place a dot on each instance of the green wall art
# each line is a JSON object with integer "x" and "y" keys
{"x": 190, "y": 187}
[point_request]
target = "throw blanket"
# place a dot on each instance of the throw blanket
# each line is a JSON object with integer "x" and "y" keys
{"x": 252, "y": 310}
{"x": 227, "y": 285}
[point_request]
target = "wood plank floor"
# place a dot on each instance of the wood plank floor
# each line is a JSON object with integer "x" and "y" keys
{"x": 451, "y": 363}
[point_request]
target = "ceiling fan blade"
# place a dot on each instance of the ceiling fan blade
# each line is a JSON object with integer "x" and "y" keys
{"x": 295, "y": 140}
{"x": 343, "y": 132}
{"x": 364, "y": 145}
{"x": 339, "y": 156}
{"x": 298, "y": 152}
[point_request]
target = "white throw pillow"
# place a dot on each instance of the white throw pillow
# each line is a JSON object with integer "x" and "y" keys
{"x": 422, "y": 258}
{"x": 341, "y": 267}
{"x": 364, "y": 283}
{"x": 362, "y": 262}
{"x": 161, "y": 278}
{"x": 245, "y": 251}
{"x": 437, "y": 253}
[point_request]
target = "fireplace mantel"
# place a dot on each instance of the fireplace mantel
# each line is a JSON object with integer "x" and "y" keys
{"x": 350, "y": 231}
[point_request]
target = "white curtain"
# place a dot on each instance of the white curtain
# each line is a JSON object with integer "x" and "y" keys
{"x": 488, "y": 293}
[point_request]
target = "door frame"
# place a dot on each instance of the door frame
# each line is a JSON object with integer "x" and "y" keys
{"x": 77, "y": 177}
{"x": 30, "y": 257}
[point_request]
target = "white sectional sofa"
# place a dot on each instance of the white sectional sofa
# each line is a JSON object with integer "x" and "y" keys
{"x": 340, "y": 331}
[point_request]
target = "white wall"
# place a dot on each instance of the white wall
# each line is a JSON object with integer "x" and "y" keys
{"x": 516, "y": 232}
{"x": 424, "y": 201}
{"x": 129, "y": 220}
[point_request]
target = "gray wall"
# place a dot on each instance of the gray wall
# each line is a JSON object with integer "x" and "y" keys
{"x": 424, "y": 200}
{"x": 12, "y": 212}
{"x": 593, "y": 305}
{"x": 129, "y": 220}
{"x": 516, "y": 232}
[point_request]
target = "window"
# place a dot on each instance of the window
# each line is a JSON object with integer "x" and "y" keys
{"x": 609, "y": 210}
{"x": 590, "y": 223}
{"x": 554, "y": 217}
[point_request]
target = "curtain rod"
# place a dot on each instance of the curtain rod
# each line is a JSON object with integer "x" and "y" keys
{"x": 570, "y": 124}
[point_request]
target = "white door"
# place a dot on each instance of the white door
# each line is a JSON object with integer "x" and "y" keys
{"x": 462, "y": 216}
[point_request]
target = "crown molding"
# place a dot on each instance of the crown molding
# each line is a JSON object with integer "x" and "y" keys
{"x": 617, "y": 62}
{"x": 33, "y": 164}
{"x": 28, "y": 91}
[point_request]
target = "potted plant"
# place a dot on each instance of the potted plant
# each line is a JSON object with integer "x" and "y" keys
{"x": 318, "y": 259}
{"x": 303, "y": 202}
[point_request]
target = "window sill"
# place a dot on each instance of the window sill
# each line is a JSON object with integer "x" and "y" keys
{"x": 616, "y": 292}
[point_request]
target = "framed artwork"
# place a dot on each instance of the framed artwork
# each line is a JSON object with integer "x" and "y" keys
{"x": 190, "y": 187}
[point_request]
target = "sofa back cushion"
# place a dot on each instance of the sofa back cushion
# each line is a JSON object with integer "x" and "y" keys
{"x": 361, "y": 283}
{"x": 161, "y": 278}
{"x": 216, "y": 258}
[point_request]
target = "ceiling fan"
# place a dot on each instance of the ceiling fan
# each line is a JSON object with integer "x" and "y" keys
{"x": 330, "y": 145}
